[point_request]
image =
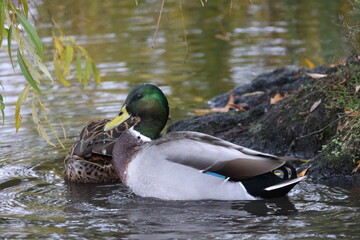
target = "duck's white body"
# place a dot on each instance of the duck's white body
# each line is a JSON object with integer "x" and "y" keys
{"x": 172, "y": 167}
{"x": 168, "y": 180}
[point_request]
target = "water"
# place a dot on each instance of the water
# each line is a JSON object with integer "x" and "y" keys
{"x": 35, "y": 201}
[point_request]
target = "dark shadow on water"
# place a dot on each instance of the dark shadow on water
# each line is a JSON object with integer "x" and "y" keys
{"x": 117, "y": 196}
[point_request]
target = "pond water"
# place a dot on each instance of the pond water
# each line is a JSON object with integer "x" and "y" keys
{"x": 225, "y": 46}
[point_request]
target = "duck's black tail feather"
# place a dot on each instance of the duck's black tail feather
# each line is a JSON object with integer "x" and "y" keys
{"x": 273, "y": 184}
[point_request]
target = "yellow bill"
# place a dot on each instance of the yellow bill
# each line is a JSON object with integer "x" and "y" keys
{"x": 119, "y": 119}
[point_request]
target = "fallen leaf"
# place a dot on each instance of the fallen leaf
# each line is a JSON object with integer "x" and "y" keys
{"x": 304, "y": 172}
{"x": 315, "y": 105}
{"x": 276, "y": 98}
{"x": 252, "y": 93}
{"x": 343, "y": 82}
{"x": 357, "y": 168}
{"x": 350, "y": 112}
{"x": 341, "y": 126}
{"x": 309, "y": 63}
{"x": 357, "y": 88}
{"x": 229, "y": 105}
{"x": 241, "y": 106}
{"x": 316, "y": 75}
{"x": 341, "y": 62}
{"x": 298, "y": 74}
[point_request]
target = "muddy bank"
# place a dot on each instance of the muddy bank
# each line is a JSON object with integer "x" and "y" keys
{"x": 300, "y": 122}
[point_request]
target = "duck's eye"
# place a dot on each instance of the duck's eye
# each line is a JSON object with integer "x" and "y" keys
{"x": 138, "y": 96}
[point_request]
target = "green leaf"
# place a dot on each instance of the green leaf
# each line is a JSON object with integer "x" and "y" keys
{"x": 87, "y": 72}
{"x": 9, "y": 45}
{"x": 22, "y": 97}
{"x": 96, "y": 74}
{"x": 26, "y": 7}
{"x": 30, "y": 30}
{"x": 2, "y": 19}
{"x": 26, "y": 72}
{"x": 136, "y": 2}
{"x": 69, "y": 55}
{"x": 78, "y": 68}
{"x": 2, "y": 107}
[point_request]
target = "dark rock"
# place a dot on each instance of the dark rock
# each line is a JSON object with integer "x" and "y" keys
{"x": 285, "y": 128}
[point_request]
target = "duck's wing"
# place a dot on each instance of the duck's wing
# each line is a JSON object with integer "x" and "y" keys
{"x": 208, "y": 153}
{"x": 94, "y": 141}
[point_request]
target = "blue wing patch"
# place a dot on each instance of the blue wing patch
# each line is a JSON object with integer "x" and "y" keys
{"x": 214, "y": 174}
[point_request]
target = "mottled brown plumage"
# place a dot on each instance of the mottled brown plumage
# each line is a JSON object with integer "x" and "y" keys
{"x": 89, "y": 159}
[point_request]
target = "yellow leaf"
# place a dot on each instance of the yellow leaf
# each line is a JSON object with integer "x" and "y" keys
{"x": 309, "y": 63}
{"x": 59, "y": 45}
{"x": 278, "y": 97}
{"x": 199, "y": 99}
{"x": 357, "y": 88}
{"x": 304, "y": 172}
{"x": 59, "y": 74}
{"x": 44, "y": 135}
{"x": 22, "y": 97}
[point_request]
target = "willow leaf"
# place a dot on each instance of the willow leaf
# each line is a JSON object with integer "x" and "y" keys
{"x": 44, "y": 135}
{"x": 42, "y": 131}
{"x": 96, "y": 74}
{"x": 53, "y": 130}
{"x": 2, "y": 19}
{"x": 78, "y": 68}
{"x": 82, "y": 50}
{"x": 59, "y": 73}
{"x": 41, "y": 66}
{"x": 2, "y": 107}
{"x": 37, "y": 76}
{"x": 26, "y": 7}
{"x": 9, "y": 34}
{"x": 59, "y": 45}
{"x": 87, "y": 72}
{"x": 30, "y": 30}
{"x": 26, "y": 72}
{"x": 34, "y": 113}
{"x": 69, "y": 55}
{"x": 22, "y": 97}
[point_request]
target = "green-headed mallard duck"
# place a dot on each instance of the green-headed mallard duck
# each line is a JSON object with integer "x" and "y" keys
{"x": 89, "y": 159}
{"x": 189, "y": 165}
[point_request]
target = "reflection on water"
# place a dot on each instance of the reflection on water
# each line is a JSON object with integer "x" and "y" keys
{"x": 224, "y": 51}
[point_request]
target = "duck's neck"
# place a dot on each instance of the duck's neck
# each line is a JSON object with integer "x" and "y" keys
{"x": 138, "y": 135}
{"x": 125, "y": 148}
{"x": 149, "y": 128}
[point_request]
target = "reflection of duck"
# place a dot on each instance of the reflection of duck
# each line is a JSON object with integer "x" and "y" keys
{"x": 189, "y": 165}
{"x": 89, "y": 159}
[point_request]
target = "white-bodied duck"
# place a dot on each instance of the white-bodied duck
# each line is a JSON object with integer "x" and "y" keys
{"x": 189, "y": 165}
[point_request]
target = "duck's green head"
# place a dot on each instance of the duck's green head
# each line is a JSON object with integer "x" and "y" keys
{"x": 147, "y": 102}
